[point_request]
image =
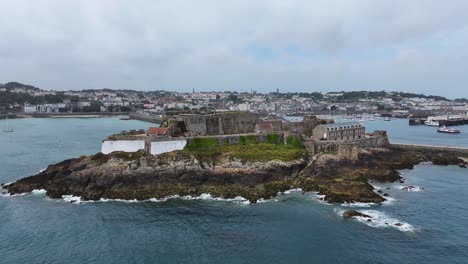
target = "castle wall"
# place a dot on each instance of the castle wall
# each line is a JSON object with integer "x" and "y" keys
{"x": 122, "y": 145}
{"x": 220, "y": 123}
{"x": 159, "y": 147}
{"x": 294, "y": 126}
{"x": 195, "y": 124}
{"x": 347, "y": 149}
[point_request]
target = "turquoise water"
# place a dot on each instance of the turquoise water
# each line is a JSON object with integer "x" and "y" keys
{"x": 294, "y": 228}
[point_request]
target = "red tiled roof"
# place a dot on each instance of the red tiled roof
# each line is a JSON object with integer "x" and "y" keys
{"x": 157, "y": 130}
{"x": 266, "y": 126}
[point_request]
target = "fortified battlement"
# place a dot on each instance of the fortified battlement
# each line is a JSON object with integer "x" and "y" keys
{"x": 213, "y": 124}
{"x": 378, "y": 138}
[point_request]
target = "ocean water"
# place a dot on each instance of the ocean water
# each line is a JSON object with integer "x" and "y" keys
{"x": 427, "y": 225}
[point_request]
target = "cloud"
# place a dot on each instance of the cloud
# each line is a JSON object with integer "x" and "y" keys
{"x": 317, "y": 45}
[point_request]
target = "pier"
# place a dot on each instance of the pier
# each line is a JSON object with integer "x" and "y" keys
{"x": 461, "y": 150}
{"x": 457, "y": 120}
{"x": 146, "y": 117}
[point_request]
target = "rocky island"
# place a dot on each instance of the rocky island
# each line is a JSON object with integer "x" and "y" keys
{"x": 255, "y": 166}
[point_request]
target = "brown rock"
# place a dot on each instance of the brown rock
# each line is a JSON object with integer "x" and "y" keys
{"x": 353, "y": 213}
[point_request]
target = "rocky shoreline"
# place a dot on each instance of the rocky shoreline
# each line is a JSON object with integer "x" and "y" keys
{"x": 129, "y": 176}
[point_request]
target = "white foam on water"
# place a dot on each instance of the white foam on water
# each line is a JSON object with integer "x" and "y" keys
{"x": 389, "y": 200}
{"x": 156, "y": 200}
{"x": 72, "y": 199}
{"x": 261, "y": 200}
{"x": 41, "y": 170}
{"x": 204, "y": 196}
{"x": 380, "y": 220}
{"x": 410, "y": 188}
{"x": 5, "y": 193}
{"x": 207, "y": 196}
{"x": 118, "y": 200}
{"x": 358, "y": 204}
{"x": 318, "y": 197}
{"x": 39, "y": 191}
{"x": 295, "y": 190}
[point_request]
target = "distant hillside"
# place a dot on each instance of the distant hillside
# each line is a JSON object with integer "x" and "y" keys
{"x": 14, "y": 85}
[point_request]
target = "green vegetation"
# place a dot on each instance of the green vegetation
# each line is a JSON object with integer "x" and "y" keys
{"x": 293, "y": 141}
{"x": 103, "y": 158}
{"x": 21, "y": 98}
{"x": 272, "y": 138}
{"x": 247, "y": 149}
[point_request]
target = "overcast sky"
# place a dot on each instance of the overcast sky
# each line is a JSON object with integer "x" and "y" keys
{"x": 311, "y": 45}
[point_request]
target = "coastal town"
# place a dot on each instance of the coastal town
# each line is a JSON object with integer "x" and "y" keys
{"x": 19, "y": 99}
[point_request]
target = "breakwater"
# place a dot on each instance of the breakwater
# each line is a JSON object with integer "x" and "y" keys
{"x": 72, "y": 115}
{"x": 442, "y": 121}
{"x": 145, "y": 117}
{"x": 430, "y": 147}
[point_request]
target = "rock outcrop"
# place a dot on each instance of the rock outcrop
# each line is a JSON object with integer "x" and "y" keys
{"x": 120, "y": 175}
{"x": 353, "y": 213}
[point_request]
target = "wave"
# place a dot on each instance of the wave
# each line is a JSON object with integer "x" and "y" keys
{"x": 295, "y": 190}
{"x": 389, "y": 200}
{"x": 72, "y": 199}
{"x": 203, "y": 196}
{"x": 380, "y": 220}
{"x": 39, "y": 191}
{"x": 358, "y": 204}
{"x": 410, "y": 188}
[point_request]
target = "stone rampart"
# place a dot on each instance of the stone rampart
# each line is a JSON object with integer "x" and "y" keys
{"x": 463, "y": 151}
{"x": 347, "y": 148}
{"x": 220, "y": 123}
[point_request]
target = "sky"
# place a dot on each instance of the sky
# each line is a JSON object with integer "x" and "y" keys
{"x": 239, "y": 45}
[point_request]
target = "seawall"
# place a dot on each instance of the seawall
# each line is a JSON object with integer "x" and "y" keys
{"x": 122, "y": 145}
{"x": 146, "y": 118}
{"x": 430, "y": 147}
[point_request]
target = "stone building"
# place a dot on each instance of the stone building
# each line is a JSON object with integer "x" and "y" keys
{"x": 346, "y": 131}
{"x": 216, "y": 124}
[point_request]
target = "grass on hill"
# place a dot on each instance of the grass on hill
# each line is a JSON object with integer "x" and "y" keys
{"x": 248, "y": 149}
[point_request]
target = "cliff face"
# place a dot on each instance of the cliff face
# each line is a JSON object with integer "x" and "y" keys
{"x": 134, "y": 176}
{"x": 122, "y": 175}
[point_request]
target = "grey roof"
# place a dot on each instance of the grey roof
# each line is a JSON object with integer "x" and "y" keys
{"x": 338, "y": 125}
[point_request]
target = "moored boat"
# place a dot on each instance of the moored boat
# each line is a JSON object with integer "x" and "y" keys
{"x": 431, "y": 123}
{"x": 8, "y": 128}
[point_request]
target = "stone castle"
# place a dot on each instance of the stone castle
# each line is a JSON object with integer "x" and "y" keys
{"x": 318, "y": 135}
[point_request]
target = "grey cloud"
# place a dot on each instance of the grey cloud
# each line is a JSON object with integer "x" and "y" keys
{"x": 179, "y": 45}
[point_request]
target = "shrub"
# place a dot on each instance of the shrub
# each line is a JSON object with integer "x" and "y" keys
{"x": 292, "y": 141}
{"x": 272, "y": 138}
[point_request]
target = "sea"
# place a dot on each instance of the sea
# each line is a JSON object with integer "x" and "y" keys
{"x": 428, "y": 224}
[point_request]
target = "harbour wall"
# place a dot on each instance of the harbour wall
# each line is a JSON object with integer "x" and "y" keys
{"x": 430, "y": 147}
{"x": 159, "y": 147}
{"x": 122, "y": 145}
{"x": 147, "y": 118}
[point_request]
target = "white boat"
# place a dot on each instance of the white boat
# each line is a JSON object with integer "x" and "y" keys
{"x": 447, "y": 130}
{"x": 387, "y": 119}
{"x": 8, "y": 128}
{"x": 431, "y": 123}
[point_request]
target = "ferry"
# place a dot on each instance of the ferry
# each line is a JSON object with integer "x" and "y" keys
{"x": 446, "y": 130}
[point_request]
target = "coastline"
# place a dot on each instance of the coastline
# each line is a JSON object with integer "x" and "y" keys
{"x": 136, "y": 176}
